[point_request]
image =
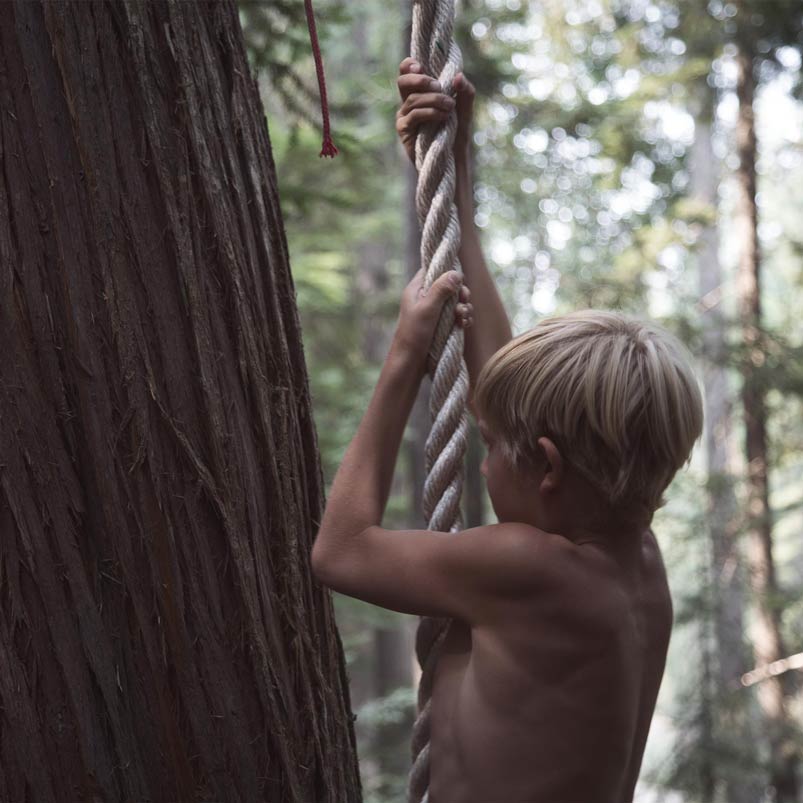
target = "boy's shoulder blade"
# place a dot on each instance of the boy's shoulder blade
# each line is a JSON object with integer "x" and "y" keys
{"x": 539, "y": 545}
{"x": 553, "y": 559}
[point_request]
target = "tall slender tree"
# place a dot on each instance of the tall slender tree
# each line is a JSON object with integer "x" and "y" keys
{"x": 161, "y": 637}
{"x": 768, "y": 645}
{"x": 731, "y": 727}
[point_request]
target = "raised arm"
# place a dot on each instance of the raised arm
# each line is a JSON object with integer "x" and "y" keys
{"x": 420, "y": 104}
{"x": 491, "y": 329}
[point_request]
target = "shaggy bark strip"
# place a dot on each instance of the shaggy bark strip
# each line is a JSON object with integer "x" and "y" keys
{"x": 161, "y": 637}
{"x": 768, "y": 643}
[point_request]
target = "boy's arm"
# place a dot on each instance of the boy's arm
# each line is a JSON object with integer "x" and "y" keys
{"x": 423, "y": 102}
{"x": 470, "y": 577}
{"x": 491, "y": 329}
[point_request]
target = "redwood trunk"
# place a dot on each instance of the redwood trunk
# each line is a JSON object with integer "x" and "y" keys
{"x": 161, "y": 637}
{"x": 393, "y": 642}
{"x": 732, "y": 725}
{"x": 767, "y": 642}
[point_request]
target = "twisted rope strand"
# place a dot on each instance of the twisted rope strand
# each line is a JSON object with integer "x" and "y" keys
{"x": 432, "y": 46}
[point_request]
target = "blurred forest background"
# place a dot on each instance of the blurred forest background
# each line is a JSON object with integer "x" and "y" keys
{"x": 642, "y": 155}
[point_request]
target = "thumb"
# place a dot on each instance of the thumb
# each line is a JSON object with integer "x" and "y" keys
{"x": 417, "y": 282}
{"x": 447, "y": 284}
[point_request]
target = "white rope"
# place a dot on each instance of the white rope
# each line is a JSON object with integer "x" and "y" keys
{"x": 433, "y": 47}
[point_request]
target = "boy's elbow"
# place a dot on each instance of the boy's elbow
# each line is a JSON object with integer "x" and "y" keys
{"x": 318, "y": 560}
{"x": 335, "y": 561}
{"x": 326, "y": 561}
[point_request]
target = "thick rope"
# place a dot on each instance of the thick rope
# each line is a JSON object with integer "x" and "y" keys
{"x": 433, "y": 47}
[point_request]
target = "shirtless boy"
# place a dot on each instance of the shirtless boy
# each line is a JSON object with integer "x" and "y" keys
{"x": 561, "y": 612}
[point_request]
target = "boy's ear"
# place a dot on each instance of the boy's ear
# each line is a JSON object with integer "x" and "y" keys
{"x": 553, "y": 470}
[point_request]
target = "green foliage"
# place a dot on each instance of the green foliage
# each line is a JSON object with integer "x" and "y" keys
{"x": 278, "y": 44}
{"x": 392, "y": 709}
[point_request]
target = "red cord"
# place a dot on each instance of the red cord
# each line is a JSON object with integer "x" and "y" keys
{"x": 328, "y": 148}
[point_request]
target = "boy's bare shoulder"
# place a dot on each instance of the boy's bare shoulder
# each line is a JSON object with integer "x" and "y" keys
{"x": 601, "y": 569}
{"x": 553, "y": 552}
{"x": 550, "y": 553}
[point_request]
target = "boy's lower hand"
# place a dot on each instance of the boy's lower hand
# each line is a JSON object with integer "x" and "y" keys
{"x": 420, "y": 312}
{"x": 423, "y": 101}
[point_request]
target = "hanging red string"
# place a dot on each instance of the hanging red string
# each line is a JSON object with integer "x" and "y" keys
{"x": 328, "y": 148}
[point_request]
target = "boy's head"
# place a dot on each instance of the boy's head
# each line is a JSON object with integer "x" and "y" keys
{"x": 615, "y": 395}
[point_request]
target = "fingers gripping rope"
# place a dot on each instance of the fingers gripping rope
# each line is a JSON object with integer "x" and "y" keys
{"x": 433, "y": 47}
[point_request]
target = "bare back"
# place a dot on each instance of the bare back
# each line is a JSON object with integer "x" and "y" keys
{"x": 554, "y": 704}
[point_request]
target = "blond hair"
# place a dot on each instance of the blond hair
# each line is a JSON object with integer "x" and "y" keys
{"x": 616, "y": 394}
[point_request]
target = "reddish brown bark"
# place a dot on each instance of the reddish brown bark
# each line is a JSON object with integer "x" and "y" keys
{"x": 161, "y": 637}
{"x": 767, "y": 641}
{"x": 732, "y": 727}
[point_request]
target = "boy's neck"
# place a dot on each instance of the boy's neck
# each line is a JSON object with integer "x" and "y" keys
{"x": 594, "y": 520}
{"x": 613, "y": 535}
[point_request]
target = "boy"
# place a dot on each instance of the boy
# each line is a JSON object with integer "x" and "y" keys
{"x": 548, "y": 677}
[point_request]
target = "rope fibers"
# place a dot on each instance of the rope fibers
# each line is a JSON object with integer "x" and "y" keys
{"x": 433, "y": 47}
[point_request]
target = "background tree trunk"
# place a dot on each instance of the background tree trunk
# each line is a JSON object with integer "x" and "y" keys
{"x": 767, "y": 641}
{"x": 732, "y": 729}
{"x": 160, "y": 633}
{"x": 392, "y": 641}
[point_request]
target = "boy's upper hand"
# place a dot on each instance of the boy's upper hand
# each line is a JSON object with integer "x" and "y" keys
{"x": 424, "y": 102}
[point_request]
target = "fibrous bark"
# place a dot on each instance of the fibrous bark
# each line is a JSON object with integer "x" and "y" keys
{"x": 161, "y": 637}
{"x": 768, "y": 643}
{"x": 732, "y": 724}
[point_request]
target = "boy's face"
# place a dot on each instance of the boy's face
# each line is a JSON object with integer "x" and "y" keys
{"x": 513, "y": 495}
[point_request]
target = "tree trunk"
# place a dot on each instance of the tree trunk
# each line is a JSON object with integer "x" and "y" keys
{"x": 733, "y": 730}
{"x": 393, "y": 642}
{"x": 767, "y": 642}
{"x": 161, "y": 637}
{"x": 394, "y": 648}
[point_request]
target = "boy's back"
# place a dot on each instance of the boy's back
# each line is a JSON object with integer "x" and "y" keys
{"x": 550, "y": 707}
